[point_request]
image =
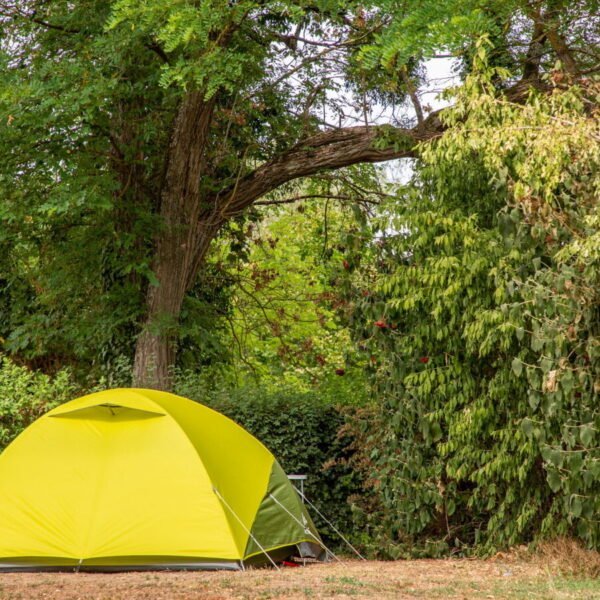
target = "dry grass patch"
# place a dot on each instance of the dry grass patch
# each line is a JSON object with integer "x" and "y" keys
{"x": 568, "y": 557}
{"x": 497, "y": 579}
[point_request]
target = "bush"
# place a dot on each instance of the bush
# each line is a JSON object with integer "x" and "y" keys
{"x": 480, "y": 310}
{"x": 25, "y": 395}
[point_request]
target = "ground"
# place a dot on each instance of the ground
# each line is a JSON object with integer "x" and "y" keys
{"x": 495, "y": 579}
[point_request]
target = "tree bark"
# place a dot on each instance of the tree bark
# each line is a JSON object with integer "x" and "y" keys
{"x": 182, "y": 242}
{"x": 327, "y": 150}
{"x": 156, "y": 345}
{"x": 547, "y": 24}
{"x": 531, "y": 66}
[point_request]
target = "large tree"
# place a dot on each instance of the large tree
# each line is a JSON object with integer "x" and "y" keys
{"x": 133, "y": 133}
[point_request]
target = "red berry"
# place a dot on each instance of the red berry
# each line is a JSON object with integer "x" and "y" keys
{"x": 424, "y": 359}
{"x": 346, "y": 264}
{"x": 340, "y": 372}
{"x": 380, "y": 324}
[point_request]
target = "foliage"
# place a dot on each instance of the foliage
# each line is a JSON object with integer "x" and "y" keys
{"x": 480, "y": 312}
{"x": 420, "y": 29}
{"x": 88, "y": 95}
{"x": 74, "y": 255}
{"x": 25, "y": 395}
{"x": 283, "y": 320}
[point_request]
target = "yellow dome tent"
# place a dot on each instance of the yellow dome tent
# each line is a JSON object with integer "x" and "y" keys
{"x": 132, "y": 478}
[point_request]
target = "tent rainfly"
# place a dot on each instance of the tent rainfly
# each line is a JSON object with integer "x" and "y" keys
{"x": 141, "y": 479}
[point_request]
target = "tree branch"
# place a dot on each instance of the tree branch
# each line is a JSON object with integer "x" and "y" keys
{"x": 155, "y": 47}
{"x": 14, "y": 12}
{"x": 334, "y": 149}
{"x": 531, "y": 67}
{"x": 412, "y": 92}
{"x": 544, "y": 24}
{"x": 326, "y": 150}
{"x": 293, "y": 199}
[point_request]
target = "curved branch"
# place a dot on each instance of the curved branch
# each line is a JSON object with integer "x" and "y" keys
{"x": 337, "y": 148}
{"x": 544, "y": 23}
{"x": 324, "y": 151}
{"x": 293, "y": 199}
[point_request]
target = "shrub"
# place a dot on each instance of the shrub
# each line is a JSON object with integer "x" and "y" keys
{"x": 25, "y": 395}
{"x": 480, "y": 311}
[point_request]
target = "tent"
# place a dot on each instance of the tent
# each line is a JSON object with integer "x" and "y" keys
{"x": 141, "y": 479}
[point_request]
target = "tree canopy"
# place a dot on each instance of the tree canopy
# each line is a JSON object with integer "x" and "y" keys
{"x": 139, "y": 131}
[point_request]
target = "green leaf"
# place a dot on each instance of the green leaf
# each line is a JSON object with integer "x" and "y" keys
{"x": 517, "y": 367}
{"x": 556, "y": 457}
{"x": 586, "y": 434}
{"x": 554, "y": 481}
{"x": 576, "y": 506}
{"x": 527, "y": 427}
{"x": 534, "y": 399}
{"x": 450, "y": 507}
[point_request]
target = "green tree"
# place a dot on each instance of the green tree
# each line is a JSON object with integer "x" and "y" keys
{"x": 284, "y": 309}
{"x": 134, "y": 133}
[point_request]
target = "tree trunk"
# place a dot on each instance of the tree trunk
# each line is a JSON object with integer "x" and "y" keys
{"x": 176, "y": 265}
{"x": 187, "y": 231}
{"x": 548, "y": 24}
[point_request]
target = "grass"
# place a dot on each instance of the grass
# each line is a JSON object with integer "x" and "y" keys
{"x": 505, "y": 578}
{"x": 568, "y": 557}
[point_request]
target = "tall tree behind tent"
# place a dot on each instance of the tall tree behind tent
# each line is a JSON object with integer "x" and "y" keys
{"x": 132, "y": 134}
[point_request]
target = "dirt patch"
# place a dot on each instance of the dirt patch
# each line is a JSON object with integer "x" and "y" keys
{"x": 351, "y": 579}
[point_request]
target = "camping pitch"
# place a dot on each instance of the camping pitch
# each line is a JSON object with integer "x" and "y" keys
{"x": 141, "y": 479}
